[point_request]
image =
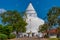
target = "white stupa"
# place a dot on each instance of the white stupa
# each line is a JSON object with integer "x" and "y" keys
{"x": 32, "y": 19}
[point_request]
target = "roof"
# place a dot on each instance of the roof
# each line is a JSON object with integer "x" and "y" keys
{"x": 52, "y": 31}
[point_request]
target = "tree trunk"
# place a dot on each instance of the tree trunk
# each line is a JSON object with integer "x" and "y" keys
{"x": 17, "y": 34}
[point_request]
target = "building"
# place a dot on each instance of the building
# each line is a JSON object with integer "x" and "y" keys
{"x": 33, "y": 21}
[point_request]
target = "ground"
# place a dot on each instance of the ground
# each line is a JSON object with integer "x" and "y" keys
{"x": 33, "y": 38}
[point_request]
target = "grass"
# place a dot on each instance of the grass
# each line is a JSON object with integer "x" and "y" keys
{"x": 58, "y": 38}
{"x": 38, "y": 39}
{"x": 54, "y": 38}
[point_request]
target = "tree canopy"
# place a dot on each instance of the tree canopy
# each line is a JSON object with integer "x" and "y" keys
{"x": 14, "y": 19}
{"x": 53, "y": 19}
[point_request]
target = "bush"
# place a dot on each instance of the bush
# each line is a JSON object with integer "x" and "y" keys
{"x": 11, "y": 36}
{"x": 3, "y": 37}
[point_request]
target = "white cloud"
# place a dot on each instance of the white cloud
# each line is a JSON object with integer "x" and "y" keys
{"x": 2, "y": 10}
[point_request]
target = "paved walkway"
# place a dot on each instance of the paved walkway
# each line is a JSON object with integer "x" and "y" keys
{"x": 33, "y": 38}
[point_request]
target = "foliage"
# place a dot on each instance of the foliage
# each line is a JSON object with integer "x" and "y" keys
{"x": 14, "y": 19}
{"x": 53, "y": 16}
{"x": 7, "y": 29}
{"x": 1, "y": 28}
{"x": 11, "y": 36}
{"x": 53, "y": 19}
{"x": 43, "y": 28}
{"x": 3, "y": 37}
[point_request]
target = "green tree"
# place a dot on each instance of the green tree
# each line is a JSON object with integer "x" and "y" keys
{"x": 7, "y": 30}
{"x": 1, "y": 28}
{"x": 14, "y": 19}
{"x": 43, "y": 28}
{"x": 52, "y": 16}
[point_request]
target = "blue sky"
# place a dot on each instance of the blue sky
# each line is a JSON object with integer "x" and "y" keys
{"x": 41, "y": 6}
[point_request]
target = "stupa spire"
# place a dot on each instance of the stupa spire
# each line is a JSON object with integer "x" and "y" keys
{"x": 30, "y": 11}
{"x": 30, "y": 7}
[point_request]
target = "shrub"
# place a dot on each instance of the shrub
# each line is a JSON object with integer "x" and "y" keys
{"x": 3, "y": 37}
{"x": 11, "y": 36}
